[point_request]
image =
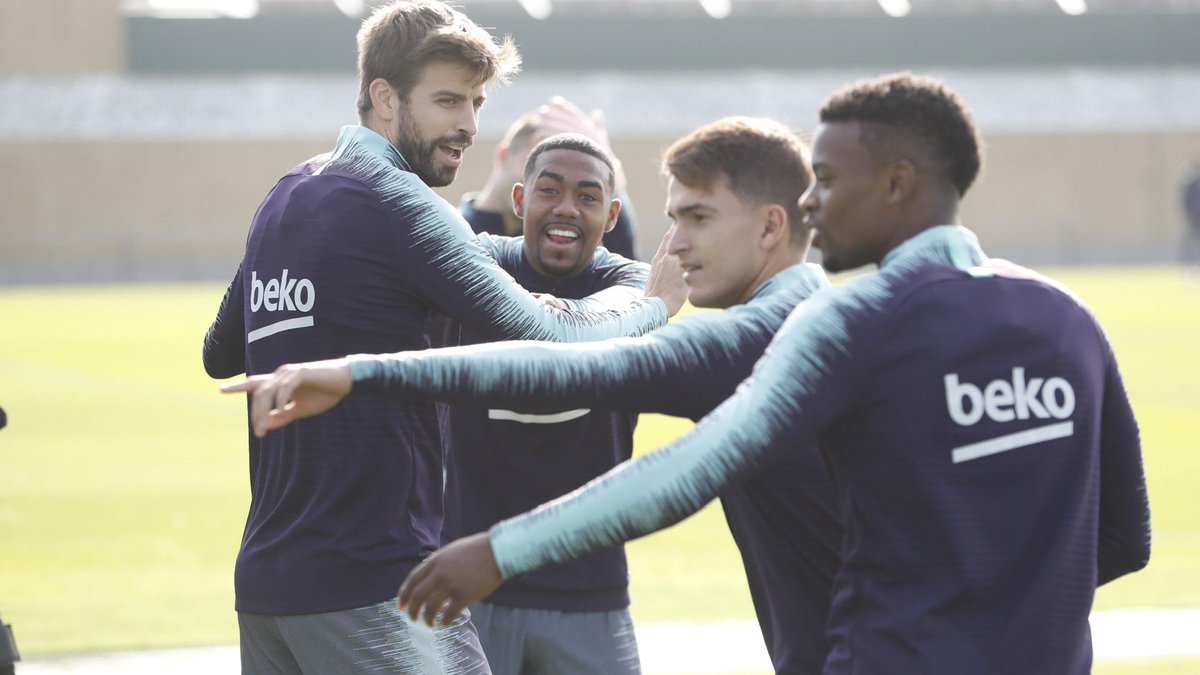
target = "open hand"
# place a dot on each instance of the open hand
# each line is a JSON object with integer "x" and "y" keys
{"x": 562, "y": 116}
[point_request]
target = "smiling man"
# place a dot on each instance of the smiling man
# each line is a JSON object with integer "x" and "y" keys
{"x": 573, "y": 618}
{"x": 566, "y": 204}
{"x": 490, "y": 209}
{"x": 350, "y": 252}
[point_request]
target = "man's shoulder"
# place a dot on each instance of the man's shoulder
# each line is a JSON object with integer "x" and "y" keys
{"x": 328, "y": 173}
{"x": 404, "y": 197}
{"x": 606, "y": 263}
{"x": 373, "y": 171}
{"x": 311, "y": 165}
{"x": 982, "y": 293}
{"x": 481, "y": 220}
{"x": 508, "y": 252}
{"x": 758, "y": 320}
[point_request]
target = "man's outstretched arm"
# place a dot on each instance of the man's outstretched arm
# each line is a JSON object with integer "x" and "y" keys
{"x": 686, "y": 368}
{"x": 792, "y": 395}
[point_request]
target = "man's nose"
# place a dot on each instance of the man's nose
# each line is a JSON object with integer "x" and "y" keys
{"x": 678, "y": 243}
{"x": 808, "y": 200}
{"x": 565, "y": 206}
{"x": 469, "y": 122}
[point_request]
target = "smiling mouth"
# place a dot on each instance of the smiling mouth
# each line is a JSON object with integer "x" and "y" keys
{"x": 562, "y": 235}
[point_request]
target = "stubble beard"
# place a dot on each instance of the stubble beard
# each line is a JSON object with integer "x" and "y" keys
{"x": 421, "y": 155}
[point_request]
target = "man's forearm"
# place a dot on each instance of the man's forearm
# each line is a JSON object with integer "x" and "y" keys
{"x": 683, "y": 369}
{"x": 653, "y": 491}
{"x": 526, "y": 375}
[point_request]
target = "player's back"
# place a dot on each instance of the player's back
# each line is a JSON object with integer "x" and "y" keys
{"x": 343, "y": 503}
{"x": 971, "y": 468}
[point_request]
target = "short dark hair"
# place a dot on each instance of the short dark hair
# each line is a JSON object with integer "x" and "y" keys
{"x": 763, "y": 160}
{"x": 576, "y": 142}
{"x": 400, "y": 38}
{"x": 923, "y": 109}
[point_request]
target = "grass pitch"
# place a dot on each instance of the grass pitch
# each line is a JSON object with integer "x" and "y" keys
{"x": 123, "y": 472}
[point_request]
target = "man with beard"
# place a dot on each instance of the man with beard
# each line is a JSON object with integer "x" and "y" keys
{"x": 573, "y": 618}
{"x": 350, "y": 252}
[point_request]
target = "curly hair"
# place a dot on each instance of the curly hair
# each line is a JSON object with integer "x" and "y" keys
{"x": 571, "y": 141}
{"x": 904, "y": 106}
{"x": 400, "y": 38}
{"x": 763, "y": 160}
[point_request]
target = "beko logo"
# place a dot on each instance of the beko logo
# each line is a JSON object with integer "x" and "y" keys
{"x": 1006, "y": 400}
{"x": 281, "y": 295}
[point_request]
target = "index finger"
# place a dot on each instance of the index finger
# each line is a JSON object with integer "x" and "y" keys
{"x": 664, "y": 245}
{"x": 249, "y": 384}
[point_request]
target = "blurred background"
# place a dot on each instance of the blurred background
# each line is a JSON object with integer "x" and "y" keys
{"x": 137, "y": 137}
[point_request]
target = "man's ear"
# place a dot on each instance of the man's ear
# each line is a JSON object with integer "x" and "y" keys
{"x": 518, "y": 200}
{"x": 775, "y": 225}
{"x": 384, "y": 99}
{"x": 614, "y": 210}
{"x": 902, "y": 180}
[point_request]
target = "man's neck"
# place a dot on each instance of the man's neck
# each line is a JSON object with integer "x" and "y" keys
{"x": 775, "y": 264}
{"x": 375, "y": 124}
{"x": 933, "y": 208}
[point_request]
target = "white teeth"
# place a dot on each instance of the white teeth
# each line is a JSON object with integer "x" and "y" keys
{"x": 556, "y": 232}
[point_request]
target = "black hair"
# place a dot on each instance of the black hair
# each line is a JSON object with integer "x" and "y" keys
{"x": 576, "y": 142}
{"x": 904, "y": 106}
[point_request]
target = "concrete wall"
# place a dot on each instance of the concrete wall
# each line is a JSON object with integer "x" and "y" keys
{"x": 51, "y": 37}
{"x": 130, "y": 211}
{"x": 1083, "y": 199}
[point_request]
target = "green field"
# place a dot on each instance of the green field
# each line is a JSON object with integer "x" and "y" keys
{"x": 123, "y": 472}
